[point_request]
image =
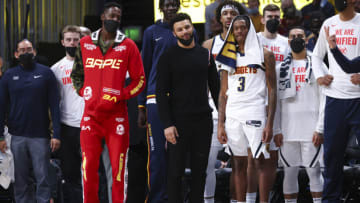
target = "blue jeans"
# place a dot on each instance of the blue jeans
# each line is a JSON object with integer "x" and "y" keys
{"x": 31, "y": 152}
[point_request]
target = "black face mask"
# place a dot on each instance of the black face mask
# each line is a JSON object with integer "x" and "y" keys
{"x": 297, "y": 45}
{"x": 27, "y": 60}
{"x": 186, "y": 42}
{"x": 272, "y": 25}
{"x": 111, "y": 25}
{"x": 71, "y": 51}
{"x": 340, "y": 5}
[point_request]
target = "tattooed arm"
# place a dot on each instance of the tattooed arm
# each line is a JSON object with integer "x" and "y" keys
{"x": 271, "y": 85}
{"x": 221, "y": 108}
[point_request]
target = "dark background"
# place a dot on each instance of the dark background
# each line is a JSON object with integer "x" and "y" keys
{"x": 41, "y": 21}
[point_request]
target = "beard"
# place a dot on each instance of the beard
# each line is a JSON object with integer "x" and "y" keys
{"x": 186, "y": 42}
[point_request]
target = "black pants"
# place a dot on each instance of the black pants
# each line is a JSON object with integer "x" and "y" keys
{"x": 137, "y": 173}
{"x": 195, "y": 138}
{"x": 70, "y": 156}
{"x": 137, "y": 156}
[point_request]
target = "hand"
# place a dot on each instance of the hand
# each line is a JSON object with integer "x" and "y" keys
{"x": 223, "y": 164}
{"x": 221, "y": 134}
{"x": 317, "y": 139}
{"x": 267, "y": 135}
{"x": 141, "y": 121}
{"x": 355, "y": 79}
{"x": 325, "y": 80}
{"x": 331, "y": 39}
{"x": 3, "y": 146}
{"x": 54, "y": 144}
{"x": 171, "y": 134}
{"x": 278, "y": 139}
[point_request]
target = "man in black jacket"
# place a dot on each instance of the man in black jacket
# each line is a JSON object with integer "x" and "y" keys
{"x": 185, "y": 72}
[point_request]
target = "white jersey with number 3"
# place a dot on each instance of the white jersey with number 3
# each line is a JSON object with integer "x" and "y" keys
{"x": 246, "y": 90}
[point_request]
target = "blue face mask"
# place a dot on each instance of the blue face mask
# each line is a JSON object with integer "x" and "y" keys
{"x": 253, "y": 11}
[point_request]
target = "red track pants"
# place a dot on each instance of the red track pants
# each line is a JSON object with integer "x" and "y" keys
{"x": 115, "y": 130}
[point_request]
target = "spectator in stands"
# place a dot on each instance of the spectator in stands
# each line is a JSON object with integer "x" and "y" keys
{"x": 312, "y": 34}
{"x": 357, "y": 6}
{"x": 253, "y": 11}
{"x": 292, "y": 17}
{"x": 326, "y": 8}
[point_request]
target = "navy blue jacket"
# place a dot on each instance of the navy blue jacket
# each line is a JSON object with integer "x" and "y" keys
{"x": 348, "y": 66}
{"x": 25, "y": 98}
{"x": 157, "y": 38}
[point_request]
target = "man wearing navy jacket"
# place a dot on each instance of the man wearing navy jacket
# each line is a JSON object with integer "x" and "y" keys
{"x": 27, "y": 91}
{"x": 157, "y": 39}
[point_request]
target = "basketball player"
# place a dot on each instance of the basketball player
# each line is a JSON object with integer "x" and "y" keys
{"x": 242, "y": 102}
{"x": 301, "y": 139}
{"x": 225, "y": 12}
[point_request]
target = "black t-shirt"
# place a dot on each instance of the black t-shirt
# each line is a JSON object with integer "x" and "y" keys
{"x": 183, "y": 79}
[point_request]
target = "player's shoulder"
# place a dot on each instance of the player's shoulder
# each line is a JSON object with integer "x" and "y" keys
{"x": 127, "y": 44}
{"x": 268, "y": 55}
{"x": 157, "y": 25}
{"x": 208, "y": 43}
{"x": 172, "y": 50}
{"x": 43, "y": 68}
{"x": 282, "y": 38}
{"x": 331, "y": 20}
{"x": 356, "y": 19}
{"x": 58, "y": 64}
{"x": 10, "y": 72}
{"x": 267, "y": 52}
{"x": 44, "y": 71}
{"x": 202, "y": 49}
{"x": 260, "y": 35}
{"x": 151, "y": 28}
{"x": 127, "y": 40}
{"x": 85, "y": 38}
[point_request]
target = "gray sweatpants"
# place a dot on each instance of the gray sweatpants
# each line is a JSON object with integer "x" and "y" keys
{"x": 29, "y": 152}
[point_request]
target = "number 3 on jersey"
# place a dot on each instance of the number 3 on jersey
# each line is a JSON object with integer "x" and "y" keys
{"x": 241, "y": 87}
